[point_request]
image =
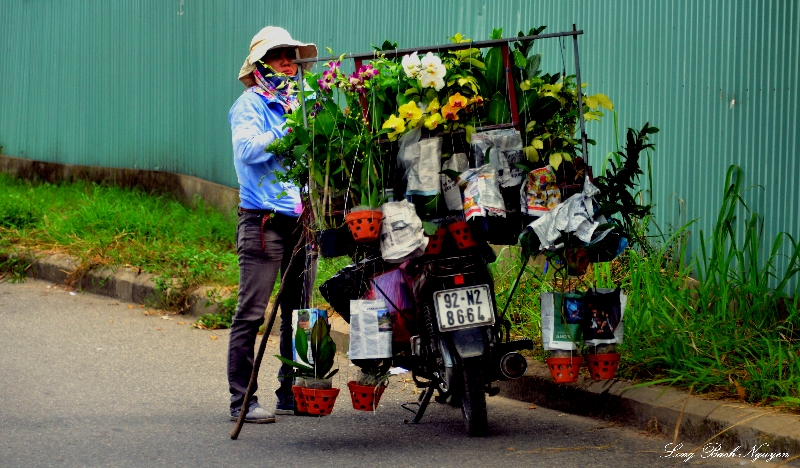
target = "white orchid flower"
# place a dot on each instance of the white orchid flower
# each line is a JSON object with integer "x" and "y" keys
{"x": 429, "y": 80}
{"x": 433, "y": 65}
{"x": 411, "y": 65}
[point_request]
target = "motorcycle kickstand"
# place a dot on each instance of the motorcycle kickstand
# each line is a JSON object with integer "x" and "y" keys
{"x": 425, "y": 398}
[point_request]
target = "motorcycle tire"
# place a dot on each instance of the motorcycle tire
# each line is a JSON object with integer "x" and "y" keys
{"x": 473, "y": 399}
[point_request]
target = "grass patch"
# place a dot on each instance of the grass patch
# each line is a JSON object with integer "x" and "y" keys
{"x": 109, "y": 226}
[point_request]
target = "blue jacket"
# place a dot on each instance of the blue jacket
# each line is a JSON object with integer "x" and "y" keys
{"x": 255, "y": 123}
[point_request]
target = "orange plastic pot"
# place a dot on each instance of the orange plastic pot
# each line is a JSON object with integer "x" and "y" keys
{"x": 320, "y": 401}
{"x": 435, "y": 242}
{"x": 299, "y": 399}
{"x": 364, "y": 225}
{"x": 564, "y": 369}
{"x": 602, "y": 366}
{"x": 365, "y": 397}
{"x": 462, "y": 234}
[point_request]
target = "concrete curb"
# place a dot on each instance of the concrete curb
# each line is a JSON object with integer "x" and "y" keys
{"x": 652, "y": 408}
{"x": 124, "y": 284}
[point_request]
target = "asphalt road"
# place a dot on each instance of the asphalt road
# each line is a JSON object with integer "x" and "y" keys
{"x": 88, "y": 381}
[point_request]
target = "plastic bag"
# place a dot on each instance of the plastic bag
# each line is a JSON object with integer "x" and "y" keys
{"x": 393, "y": 288}
{"x": 452, "y": 194}
{"x": 562, "y": 320}
{"x": 422, "y": 161}
{"x": 605, "y": 314}
{"x": 482, "y": 193}
{"x": 351, "y": 282}
{"x": 402, "y": 237}
{"x": 304, "y": 319}
{"x": 540, "y": 193}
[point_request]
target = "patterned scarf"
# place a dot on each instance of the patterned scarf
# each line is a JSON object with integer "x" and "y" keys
{"x": 276, "y": 87}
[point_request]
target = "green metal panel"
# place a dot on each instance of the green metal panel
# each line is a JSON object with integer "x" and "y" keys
{"x": 148, "y": 84}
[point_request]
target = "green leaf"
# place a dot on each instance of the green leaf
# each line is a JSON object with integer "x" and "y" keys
{"x": 294, "y": 364}
{"x": 332, "y": 374}
{"x": 298, "y": 151}
{"x": 499, "y": 112}
{"x": 519, "y": 59}
{"x": 497, "y": 34}
{"x": 476, "y": 63}
{"x": 532, "y": 67}
{"x": 555, "y": 160}
{"x": 494, "y": 69}
{"x": 528, "y": 100}
{"x": 429, "y": 227}
{"x": 325, "y": 123}
{"x": 544, "y": 109}
{"x": 301, "y": 343}
{"x": 302, "y": 135}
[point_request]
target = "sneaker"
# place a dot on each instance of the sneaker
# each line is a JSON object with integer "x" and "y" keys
{"x": 285, "y": 408}
{"x": 255, "y": 414}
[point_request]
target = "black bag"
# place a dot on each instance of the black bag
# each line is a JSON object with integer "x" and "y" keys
{"x": 350, "y": 283}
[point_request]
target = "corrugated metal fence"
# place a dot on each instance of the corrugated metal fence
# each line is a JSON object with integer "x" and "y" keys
{"x": 148, "y": 84}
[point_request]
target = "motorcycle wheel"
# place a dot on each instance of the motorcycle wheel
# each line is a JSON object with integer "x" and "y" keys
{"x": 473, "y": 399}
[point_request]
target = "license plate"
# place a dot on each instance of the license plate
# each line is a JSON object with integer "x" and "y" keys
{"x": 464, "y": 307}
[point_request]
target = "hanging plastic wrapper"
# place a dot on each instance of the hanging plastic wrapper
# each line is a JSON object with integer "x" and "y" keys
{"x": 482, "y": 193}
{"x": 304, "y": 319}
{"x": 452, "y": 194}
{"x": 370, "y": 330}
{"x": 481, "y": 142}
{"x": 575, "y": 216}
{"x": 605, "y": 314}
{"x": 562, "y": 320}
{"x": 393, "y": 288}
{"x": 402, "y": 237}
{"x": 505, "y": 155}
{"x": 422, "y": 160}
{"x": 540, "y": 193}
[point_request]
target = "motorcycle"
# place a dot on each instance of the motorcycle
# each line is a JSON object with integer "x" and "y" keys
{"x": 459, "y": 350}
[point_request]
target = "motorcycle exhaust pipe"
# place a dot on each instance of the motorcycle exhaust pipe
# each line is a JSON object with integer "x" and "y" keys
{"x": 513, "y": 365}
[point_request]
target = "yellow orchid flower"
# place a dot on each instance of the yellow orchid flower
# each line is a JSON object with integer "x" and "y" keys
{"x": 433, "y": 107}
{"x": 457, "y": 100}
{"x": 397, "y": 125}
{"x": 409, "y": 111}
{"x": 433, "y": 121}
{"x": 525, "y": 85}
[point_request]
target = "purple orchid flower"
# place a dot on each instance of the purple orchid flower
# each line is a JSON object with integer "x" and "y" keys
{"x": 328, "y": 79}
{"x": 366, "y": 72}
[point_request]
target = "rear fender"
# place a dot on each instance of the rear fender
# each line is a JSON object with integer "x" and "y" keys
{"x": 469, "y": 342}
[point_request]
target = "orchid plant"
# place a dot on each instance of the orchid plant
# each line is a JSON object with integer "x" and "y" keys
{"x": 355, "y": 118}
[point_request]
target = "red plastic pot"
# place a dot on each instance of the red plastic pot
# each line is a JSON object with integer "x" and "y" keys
{"x": 320, "y": 401}
{"x": 564, "y": 369}
{"x": 602, "y": 366}
{"x": 462, "y": 234}
{"x": 435, "y": 242}
{"x": 365, "y": 397}
{"x": 364, "y": 225}
{"x": 299, "y": 399}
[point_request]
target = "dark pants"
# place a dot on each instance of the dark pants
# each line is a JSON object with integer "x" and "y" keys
{"x": 258, "y": 269}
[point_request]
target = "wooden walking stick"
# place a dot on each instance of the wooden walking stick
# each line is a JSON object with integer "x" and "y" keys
{"x": 257, "y": 363}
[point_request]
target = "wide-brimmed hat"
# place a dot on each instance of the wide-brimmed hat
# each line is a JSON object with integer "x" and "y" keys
{"x": 273, "y": 37}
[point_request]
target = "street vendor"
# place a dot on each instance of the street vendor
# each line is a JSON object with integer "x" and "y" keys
{"x": 269, "y": 213}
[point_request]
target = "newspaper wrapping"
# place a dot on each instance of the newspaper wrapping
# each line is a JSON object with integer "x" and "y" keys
{"x": 370, "y": 330}
{"x": 402, "y": 237}
{"x": 482, "y": 193}
{"x": 452, "y": 195}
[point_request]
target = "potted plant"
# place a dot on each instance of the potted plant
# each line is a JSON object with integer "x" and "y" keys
{"x": 313, "y": 380}
{"x": 372, "y": 379}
